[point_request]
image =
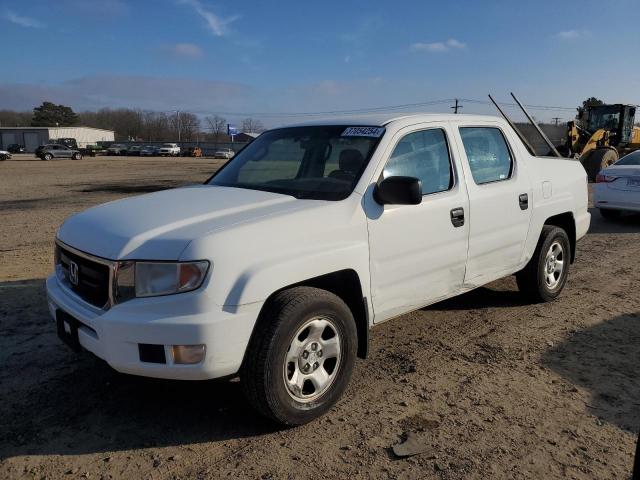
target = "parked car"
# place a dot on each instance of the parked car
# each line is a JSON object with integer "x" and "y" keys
{"x": 47, "y": 152}
{"x": 277, "y": 267}
{"x": 617, "y": 187}
{"x": 149, "y": 151}
{"x": 192, "y": 152}
{"x": 117, "y": 149}
{"x": 15, "y": 148}
{"x": 4, "y": 155}
{"x": 134, "y": 151}
{"x": 169, "y": 149}
{"x": 226, "y": 153}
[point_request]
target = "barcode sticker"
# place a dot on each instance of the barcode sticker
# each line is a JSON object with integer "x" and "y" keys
{"x": 363, "y": 132}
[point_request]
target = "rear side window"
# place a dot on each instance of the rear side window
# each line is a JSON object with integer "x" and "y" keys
{"x": 488, "y": 154}
{"x": 423, "y": 155}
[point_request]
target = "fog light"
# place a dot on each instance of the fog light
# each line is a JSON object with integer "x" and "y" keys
{"x": 188, "y": 354}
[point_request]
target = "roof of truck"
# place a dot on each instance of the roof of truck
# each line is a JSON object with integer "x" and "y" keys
{"x": 382, "y": 119}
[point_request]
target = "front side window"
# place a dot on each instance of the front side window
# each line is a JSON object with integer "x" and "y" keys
{"x": 425, "y": 156}
{"x": 488, "y": 154}
{"x": 318, "y": 162}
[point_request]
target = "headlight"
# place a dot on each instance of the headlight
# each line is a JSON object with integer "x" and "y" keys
{"x": 150, "y": 279}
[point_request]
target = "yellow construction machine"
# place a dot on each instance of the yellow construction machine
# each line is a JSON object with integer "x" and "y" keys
{"x": 601, "y": 135}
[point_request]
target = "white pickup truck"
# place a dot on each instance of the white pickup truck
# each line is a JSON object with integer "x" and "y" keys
{"x": 276, "y": 268}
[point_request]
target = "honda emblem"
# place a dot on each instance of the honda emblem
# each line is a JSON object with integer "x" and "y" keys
{"x": 73, "y": 273}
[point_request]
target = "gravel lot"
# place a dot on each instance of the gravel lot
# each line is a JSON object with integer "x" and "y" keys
{"x": 489, "y": 386}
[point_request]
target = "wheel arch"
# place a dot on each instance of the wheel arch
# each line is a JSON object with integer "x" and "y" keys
{"x": 346, "y": 285}
{"x": 567, "y": 222}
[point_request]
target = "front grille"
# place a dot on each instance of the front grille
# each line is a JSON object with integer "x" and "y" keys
{"x": 92, "y": 278}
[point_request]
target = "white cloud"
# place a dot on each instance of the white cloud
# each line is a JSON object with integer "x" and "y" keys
{"x": 438, "y": 47}
{"x": 185, "y": 50}
{"x": 216, "y": 24}
{"x": 572, "y": 34}
{"x": 22, "y": 20}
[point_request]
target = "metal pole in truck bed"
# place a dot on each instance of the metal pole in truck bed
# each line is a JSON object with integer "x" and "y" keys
{"x": 535, "y": 125}
{"x": 515, "y": 129}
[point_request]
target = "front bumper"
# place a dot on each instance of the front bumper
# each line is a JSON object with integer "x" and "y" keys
{"x": 184, "y": 319}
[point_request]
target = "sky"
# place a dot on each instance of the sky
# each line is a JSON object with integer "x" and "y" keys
{"x": 268, "y": 59}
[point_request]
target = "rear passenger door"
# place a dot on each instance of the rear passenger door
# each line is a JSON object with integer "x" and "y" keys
{"x": 418, "y": 252}
{"x": 499, "y": 197}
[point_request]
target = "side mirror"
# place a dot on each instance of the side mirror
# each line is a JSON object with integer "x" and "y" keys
{"x": 398, "y": 191}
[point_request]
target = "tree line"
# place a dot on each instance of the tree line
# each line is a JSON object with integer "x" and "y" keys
{"x": 132, "y": 124}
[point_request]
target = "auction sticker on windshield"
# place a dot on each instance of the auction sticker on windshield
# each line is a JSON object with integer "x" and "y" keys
{"x": 363, "y": 132}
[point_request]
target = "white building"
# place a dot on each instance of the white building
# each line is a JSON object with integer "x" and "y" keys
{"x": 32, "y": 137}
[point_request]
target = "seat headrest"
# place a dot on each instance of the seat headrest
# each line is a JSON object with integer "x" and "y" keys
{"x": 350, "y": 160}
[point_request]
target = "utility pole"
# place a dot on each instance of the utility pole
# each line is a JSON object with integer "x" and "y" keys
{"x": 178, "y": 123}
{"x": 456, "y": 107}
{"x": 556, "y": 120}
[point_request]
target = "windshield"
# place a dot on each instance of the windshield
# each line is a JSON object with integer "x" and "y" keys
{"x": 631, "y": 159}
{"x": 604, "y": 117}
{"x": 319, "y": 162}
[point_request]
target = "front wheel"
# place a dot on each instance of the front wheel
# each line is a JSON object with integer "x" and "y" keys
{"x": 77, "y": 156}
{"x": 47, "y": 156}
{"x": 301, "y": 356}
{"x": 545, "y": 275}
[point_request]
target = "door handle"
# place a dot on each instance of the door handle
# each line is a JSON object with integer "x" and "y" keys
{"x": 523, "y": 199}
{"x": 457, "y": 217}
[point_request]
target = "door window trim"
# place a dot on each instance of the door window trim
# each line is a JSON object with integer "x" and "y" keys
{"x": 453, "y": 182}
{"x": 512, "y": 170}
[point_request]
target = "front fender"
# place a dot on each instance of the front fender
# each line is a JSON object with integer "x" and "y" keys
{"x": 258, "y": 281}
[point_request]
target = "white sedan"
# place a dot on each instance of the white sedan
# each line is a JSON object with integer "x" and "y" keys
{"x": 617, "y": 187}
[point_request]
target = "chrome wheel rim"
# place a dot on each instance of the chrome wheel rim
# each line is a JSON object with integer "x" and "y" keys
{"x": 554, "y": 265}
{"x": 312, "y": 360}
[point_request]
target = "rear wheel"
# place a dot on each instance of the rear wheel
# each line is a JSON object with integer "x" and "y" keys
{"x": 545, "y": 275}
{"x": 300, "y": 360}
{"x": 596, "y": 160}
{"x": 609, "y": 213}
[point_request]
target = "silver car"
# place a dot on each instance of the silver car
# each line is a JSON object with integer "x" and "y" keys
{"x": 59, "y": 151}
{"x": 226, "y": 153}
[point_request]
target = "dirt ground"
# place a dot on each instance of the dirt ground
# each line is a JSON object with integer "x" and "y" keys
{"x": 491, "y": 387}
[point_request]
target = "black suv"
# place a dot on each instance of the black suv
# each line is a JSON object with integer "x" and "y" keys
{"x": 15, "y": 148}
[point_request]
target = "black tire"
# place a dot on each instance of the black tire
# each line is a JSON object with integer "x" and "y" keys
{"x": 265, "y": 367}
{"x": 532, "y": 279}
{"x": 47, "y": 156}
{"x": 609, "y": 213}
{"x": 595, "y": 160}
{"x": 77, "y": 156}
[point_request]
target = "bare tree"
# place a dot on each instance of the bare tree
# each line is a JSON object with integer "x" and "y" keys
{"x": 217, "y": 126}
{"x": 251, "y": 125}
{"x": 9, "y": 118}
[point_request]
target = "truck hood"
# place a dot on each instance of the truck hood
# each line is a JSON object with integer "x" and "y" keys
{"x": 160, "y": 225}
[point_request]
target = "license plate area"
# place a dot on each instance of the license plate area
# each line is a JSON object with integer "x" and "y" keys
{"x": 68, "y": 330}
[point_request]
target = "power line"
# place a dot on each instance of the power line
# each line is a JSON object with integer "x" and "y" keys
{"x": 386, "y": 108}
{"x": 333, "y": 112}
